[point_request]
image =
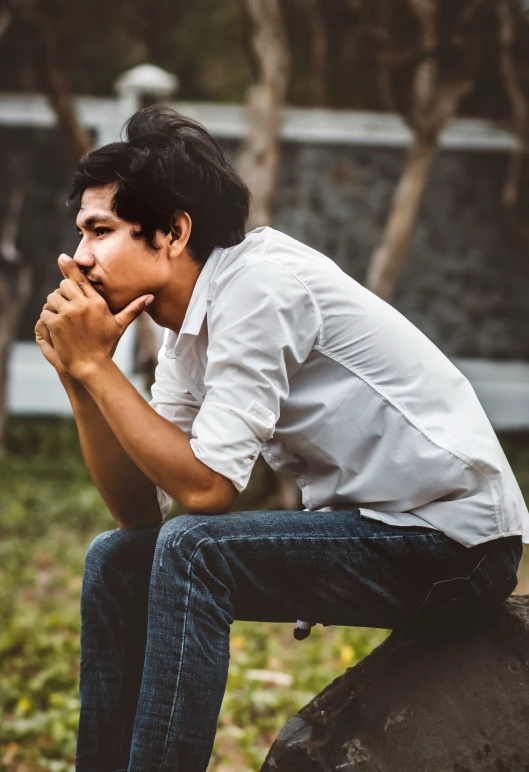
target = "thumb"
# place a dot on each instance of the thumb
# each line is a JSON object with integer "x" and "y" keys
{"x": 134, "y": 309}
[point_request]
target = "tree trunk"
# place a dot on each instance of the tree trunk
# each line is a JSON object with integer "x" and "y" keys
{"x": 518, "y": 98}
{"x": 516, "y": 90}
{"x": 5, "y": 346}
{"x": 12, "y": 305}
{"x": 436, "y": 95}
{"x": 53, "y": 80}
{"x": 16, "y": 276}
{"x": 316, "y": 21}
{"x": 268, "y": 51}
{"x": 16, "y": 272}
{"x": 390, "y": 255}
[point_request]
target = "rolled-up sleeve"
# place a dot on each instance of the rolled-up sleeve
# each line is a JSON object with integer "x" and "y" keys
{"x": 262, "y": 327}
{"x": 172, "y": 401}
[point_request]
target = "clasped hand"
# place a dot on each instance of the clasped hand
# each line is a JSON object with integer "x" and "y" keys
{"x": 76, "y": 331}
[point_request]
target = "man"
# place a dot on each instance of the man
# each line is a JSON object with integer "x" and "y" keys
{"x": 412, "y": 508}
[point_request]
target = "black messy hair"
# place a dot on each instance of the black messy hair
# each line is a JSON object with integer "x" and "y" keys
{"x": 169, "y": 163}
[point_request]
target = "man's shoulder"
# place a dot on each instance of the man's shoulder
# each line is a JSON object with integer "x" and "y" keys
{"x": 268, "y": 254}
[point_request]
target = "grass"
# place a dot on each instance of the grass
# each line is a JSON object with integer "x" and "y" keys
{"x": 49, "y": 513}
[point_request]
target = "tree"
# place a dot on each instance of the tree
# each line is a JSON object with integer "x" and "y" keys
{"x": 269, "y": 61}
{"x": 49, "y": 76}
{"x": 16, "y": 269}
{"x": 15, "y": 273}
{"x": 443, "y": 60}
{"x": 513, "y": 35}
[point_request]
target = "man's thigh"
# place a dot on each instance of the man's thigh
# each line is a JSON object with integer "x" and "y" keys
{"x": 330, "y": 567}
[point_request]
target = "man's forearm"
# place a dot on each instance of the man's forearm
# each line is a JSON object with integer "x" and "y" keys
{"x": 158, "y": 447}
{"x": 129, "y": 494}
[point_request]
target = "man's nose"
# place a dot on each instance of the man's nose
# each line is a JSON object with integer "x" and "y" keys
{"x": 83, "y": 257}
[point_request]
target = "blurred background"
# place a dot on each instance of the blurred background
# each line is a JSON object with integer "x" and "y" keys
{"x": 392, "y": 135}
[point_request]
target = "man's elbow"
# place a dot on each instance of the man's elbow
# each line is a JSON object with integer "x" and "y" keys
{"x": 140, "y": 520}
{"x": 214, "y": 500}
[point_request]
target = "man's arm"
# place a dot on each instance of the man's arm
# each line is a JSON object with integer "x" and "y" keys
{"x": 83, "y": 334}
{"x": 128, "y": 447}
{"x": 160, "y": 449}
{"x": 130, "y": 496}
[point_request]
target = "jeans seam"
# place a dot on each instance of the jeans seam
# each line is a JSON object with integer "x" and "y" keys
{"x": 321, "y": 538}
{"x": 118, "y": 746}
{"x": 184, "y": 628}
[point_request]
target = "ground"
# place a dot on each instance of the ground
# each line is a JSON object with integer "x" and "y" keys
{"x": 49, "y": 513}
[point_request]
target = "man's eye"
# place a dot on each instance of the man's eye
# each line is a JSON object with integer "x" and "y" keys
{"x": 101, "y": 231}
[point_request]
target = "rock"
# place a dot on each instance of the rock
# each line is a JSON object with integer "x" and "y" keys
{"x": 455, "y": 700}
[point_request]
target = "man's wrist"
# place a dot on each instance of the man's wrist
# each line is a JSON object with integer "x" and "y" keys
{"x": 66, "y": 378}
{"x": 90, "y": 374}
{"x": 70, "y": 383}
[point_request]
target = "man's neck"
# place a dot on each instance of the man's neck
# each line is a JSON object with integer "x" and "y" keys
{"x": 170, "y": 307}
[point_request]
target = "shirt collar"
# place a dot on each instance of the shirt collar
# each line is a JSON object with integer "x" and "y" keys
{"x": 197, "y": 308}
{"x": 198, "y": 305}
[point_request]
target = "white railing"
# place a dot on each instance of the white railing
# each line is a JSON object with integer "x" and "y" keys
{"x": 34, "y": 387}
{"x": 106, "y": 116}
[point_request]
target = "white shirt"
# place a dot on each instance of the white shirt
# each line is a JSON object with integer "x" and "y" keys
{"x": 282, "y": 353}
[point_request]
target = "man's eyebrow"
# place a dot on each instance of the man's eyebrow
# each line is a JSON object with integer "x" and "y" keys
{"x": 96, "y": 217}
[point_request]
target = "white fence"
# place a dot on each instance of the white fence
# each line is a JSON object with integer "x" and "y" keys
{"x": 33, "y": 386}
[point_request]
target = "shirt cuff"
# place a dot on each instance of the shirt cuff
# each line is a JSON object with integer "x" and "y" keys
{"x": 164, "y": 502}
{"x": 229, "y": 440}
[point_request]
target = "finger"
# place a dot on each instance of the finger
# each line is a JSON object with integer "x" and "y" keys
{"x": 55, "y": 302}
{"x": 134, "y": 309}
{"x": 69, "y": 289}
{"x": 70, "y": 270}
{"x": 45, "y": 343}
{"x": 49, "y": 318}
{"x": 45, "y": 346}
{"x": 41, "y": 331}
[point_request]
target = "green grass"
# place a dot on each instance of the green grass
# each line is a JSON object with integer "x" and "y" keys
{"x": 49, "y": 513}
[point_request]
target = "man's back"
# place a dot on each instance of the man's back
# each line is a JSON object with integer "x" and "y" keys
{"x": 337, "y": 389}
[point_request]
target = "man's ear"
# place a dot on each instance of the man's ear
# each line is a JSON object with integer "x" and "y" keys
{"x": 180, "y": 230}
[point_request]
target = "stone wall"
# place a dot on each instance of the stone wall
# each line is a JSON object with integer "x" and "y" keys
{"x": 465, "y": 284}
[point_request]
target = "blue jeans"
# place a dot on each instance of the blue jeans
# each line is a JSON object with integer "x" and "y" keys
{"x": 157, "y": 605}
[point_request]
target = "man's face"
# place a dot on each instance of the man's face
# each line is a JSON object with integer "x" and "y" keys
{"x": 120, "y": 267}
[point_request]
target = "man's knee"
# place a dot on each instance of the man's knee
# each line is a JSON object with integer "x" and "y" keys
{"x": 193, "y": 543}
{"x": 182, "y": 534}
{"x": 118, "y": 548}
{"x": 103, "y": 547}
{"x": 190, "y": 538}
